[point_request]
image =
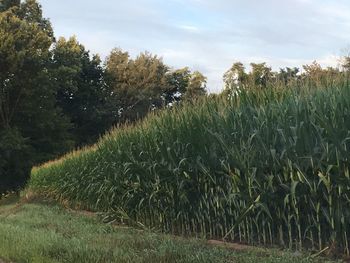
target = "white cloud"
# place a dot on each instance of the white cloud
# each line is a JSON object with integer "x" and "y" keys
{"x": 209, "y": 35}
{"x": 190, "y": 28}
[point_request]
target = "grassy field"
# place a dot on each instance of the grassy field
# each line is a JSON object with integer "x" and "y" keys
{"x": 38, "y": 232}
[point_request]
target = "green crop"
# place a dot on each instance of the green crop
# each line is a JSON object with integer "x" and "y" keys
{"x": 263, "y": 167}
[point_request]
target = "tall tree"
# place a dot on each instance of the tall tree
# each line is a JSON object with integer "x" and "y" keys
{"x": 20, "y": 61}
{"x": 235, "y": 78}
{"x": 138, "y": 85}
{"x": 81, "y": 93}
{"x": 260, "y": 75}
{"x": 196, "y": 87}
{"x": 313, "y": 74}
{"x": 146, "y": 83}
{"x": 182, "y": 84}
{"x": 30, "y": 123}
{"x": 288, "y": 76}
{"x": 177, "y": 81}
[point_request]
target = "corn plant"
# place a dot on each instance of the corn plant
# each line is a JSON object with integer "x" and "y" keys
{"x": 262, "y": 167}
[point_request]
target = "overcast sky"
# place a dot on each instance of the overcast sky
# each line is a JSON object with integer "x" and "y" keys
{"x": 209, "y": 35}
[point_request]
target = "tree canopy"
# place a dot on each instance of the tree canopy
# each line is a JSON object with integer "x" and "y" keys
{"x": 145, "y": 83}
{"x": 32, "y": 128}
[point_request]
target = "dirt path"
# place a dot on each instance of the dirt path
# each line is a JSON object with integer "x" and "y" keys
{"x": 233, "y": 246}
{"x": 239, "y": 247}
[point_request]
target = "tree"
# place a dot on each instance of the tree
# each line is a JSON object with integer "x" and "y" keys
{"x": 260, "y": 75}
{"x": 235, "y": 78}
{"x": 313, "y": 74}
{"x": 7, "y": 4}
{"x": 177, "y": 81}
{"x": 13, "y": 150}
{"x": 31, "y": 11}
{"x": 288, "y": 76}
{"x": 144, "y": 84}
{"x": 196, "y": 87}
{"x": 345, "y": 63}
{"x": 32, "y": 128}
{"x": 184, "y": 85}
{"x": 81, "y": 92}
{"x": 20, "y": 60}
{"x": 137, "y": 85}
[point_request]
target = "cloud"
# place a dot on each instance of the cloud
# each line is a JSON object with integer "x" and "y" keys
{"x": 189, "y": 28}
{"x": 209, "y": 35}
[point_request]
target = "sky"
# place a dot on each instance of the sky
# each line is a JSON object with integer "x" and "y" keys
{"x": 209, "y": 35}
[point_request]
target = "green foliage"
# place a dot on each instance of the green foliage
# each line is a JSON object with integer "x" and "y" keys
{"x": 182, "y": 84}
{"x": 235, "y": 78}
{"x": 7, "y": 4}
{"x": 81, "y": 92}
{"x": 137, "y": 85}
{"x": 178, "y": 81}
{"x": 31, "y": 11}
{"x": 144, "y": 84}
{"x": 20, "y": 42}
{"x": 32, "y": 128}
{"x": 266, "y": 166}
{"x": 196, "y": 87}
{"x": 13, "y": 150}
{"x": 261, "y": 76}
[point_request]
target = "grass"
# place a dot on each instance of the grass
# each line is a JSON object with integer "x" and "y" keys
{"x": 39, "y": 232}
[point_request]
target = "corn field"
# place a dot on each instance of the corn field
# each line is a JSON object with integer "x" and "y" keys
{"x": 263, "y": 167}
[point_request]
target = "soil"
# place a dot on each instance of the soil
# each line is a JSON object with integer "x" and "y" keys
{"x": 233, "y": 246}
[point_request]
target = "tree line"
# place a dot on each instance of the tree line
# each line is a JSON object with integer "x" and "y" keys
{"x": 55, "y": 95}
{"x": 262, "y": 76}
